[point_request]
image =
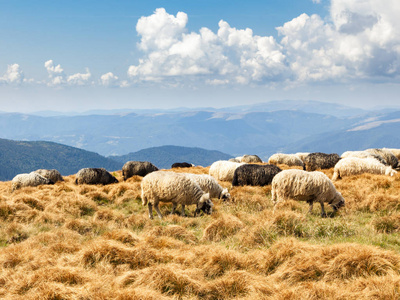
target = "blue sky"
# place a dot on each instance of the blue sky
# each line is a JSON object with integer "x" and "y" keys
{"x": 80, "y": 55}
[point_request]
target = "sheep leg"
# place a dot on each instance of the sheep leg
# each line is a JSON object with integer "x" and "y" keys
{"x": 274, "y": 200}
{"x": 174, "y": 205}
{"x": 197, "y": 210}
{"x": 158, "y": 210}
{"x": 311, "y": 204}
{"x": 183, "y": 211}
{"x": 323, "y": 213}
{"x": 150, "y": 210}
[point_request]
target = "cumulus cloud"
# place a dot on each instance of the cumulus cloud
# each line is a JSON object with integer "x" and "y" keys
{"x": 361, "y": 41}
{"x": 13, "y": 75}
{"x": 79, "y": 78}
{"x": 172, "y": 52}
{"x": 57, "y": 76}
{"x": 109, "y": 80}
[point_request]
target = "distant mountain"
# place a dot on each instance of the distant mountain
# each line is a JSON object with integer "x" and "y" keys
{"x": 23, "y": 157}
{"x": 229, "y": 132}
{"x": 374, "y": 132}
{"x": 163, "y": 157}
{"x": 307, "y": 106}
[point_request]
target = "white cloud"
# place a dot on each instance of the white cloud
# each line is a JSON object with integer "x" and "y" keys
{"x": 361, "y": 42}
{"x": 172, "y": 53}
{"x": 80, "y": 78}
{"x": 13, "y": 75}
{"x": 56, "y": 73}
{"x": 57, "y": 76}
{"x": 109, "y": 79}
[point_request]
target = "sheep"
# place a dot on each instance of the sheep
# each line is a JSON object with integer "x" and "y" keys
{"x": 210, "y": 185}
{"x": 256, "y": 175}
{"x": 94, "y": 176}
{"x": 31, "y": 179}
{"x": 287, "y": 159}
{"x": 395, "y": 151}
{"x": 363, "y": 154}
{"x": 234, "y": 159}
{"x": 318, "y": 160}
{"x": 141, "y": 168}
{"x": 182, "y": 165}
{"x": 223, "y": 170}
{"x": 53, "y": 174}
{"x": 355, "y": 165}
{"x": 306, "y": 186}
{"x": 387, "y": 155}
{"x": 302, "y": 155}
{"x": 173, "y": 187}
{"x": 251, "y": 159}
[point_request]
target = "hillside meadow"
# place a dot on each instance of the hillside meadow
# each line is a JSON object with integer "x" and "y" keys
{"x": 65, "y": 241}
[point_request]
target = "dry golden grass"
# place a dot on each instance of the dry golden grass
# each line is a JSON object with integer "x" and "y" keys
{"x": 97, "y": 242}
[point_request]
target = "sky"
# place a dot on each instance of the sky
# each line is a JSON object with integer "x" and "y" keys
{"x": 83, "y": 55}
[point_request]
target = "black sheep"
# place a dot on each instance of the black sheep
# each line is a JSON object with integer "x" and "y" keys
{"x": 318, "y": 160}
{"x": 181, "y": 165}
{"x": 141, "y": 168}
{"x": 256, "y": 175}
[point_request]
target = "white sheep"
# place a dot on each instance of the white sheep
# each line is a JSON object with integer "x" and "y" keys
{"x": 355, "y": 166}
{"x": 363, "y": 154}
{"x": 31, "y": 179}
{"x": 223, "y": 170}
{"x": 210, "y": 185}
{"x": 176, "y": 188}
{"x": 287, "y": 159}
{"x": 387, "y": 155}
{"x": 306, "y": 186}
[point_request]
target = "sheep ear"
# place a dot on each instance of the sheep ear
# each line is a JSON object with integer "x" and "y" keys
{"x": 205, "y": 197}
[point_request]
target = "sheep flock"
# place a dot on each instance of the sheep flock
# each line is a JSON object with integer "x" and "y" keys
{"x": 185, "y": 188}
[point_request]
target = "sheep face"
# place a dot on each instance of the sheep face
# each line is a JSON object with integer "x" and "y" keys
{"x": 225, "y": 195}
{"x": 205, "y": 204}
{"x": 390, "y": 171}
{"x": 337, "y": 202}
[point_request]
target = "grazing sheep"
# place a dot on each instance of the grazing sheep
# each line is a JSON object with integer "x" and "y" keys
{"x": 251, "y": 159}
{"x": 234, "y": 159}
{"x": 94, "y": 176}
{"x": 31, "y": 179}
{"x": 256, "y": 175}
{"x": 210, "y": 185}
{"x": 363, "y": 154}
{"x": 387, "y": 155}
{"x": 355, "y": 166}
{"x": 181, "y": 165}
{"x": 318, "y": 160}
{"x": 53, "y": 174}
{"x": 290, "y": 160}
{"x": 176, "y": 188}
{"x": 141, "y": 168}
{"x": 395, "y": 151}
{"x": 302, "y": 155}
{"x": 223, "y": 170}
{"x": 306, "y": 186}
